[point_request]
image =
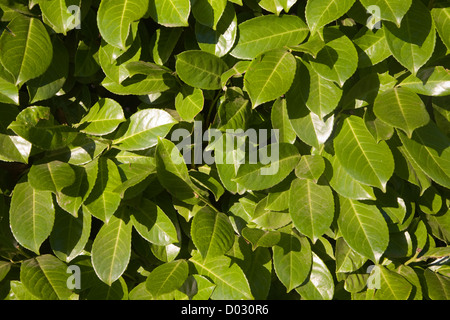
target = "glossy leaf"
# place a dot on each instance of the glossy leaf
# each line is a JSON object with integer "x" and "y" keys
{"x": 360, "y": 155}
{"x": 170, "y": 13}
{"x": 26, "y": 51}
{"x": 103, "y": 118}
{"x": 111, "y": 249}
{"x": 363, "y": 228}
{"x": 402, "y": 109}
{"x": 167, "y": 277}
{"x": 321, "y": 12}
{"x": 393, "y": 11}
{"x": 442, "y": 21}
{"x": 267, "y": 32}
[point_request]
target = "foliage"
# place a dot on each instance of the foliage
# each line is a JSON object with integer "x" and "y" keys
{"x": 96, "y": 183}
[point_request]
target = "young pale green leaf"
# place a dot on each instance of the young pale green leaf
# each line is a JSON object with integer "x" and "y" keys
{"x": 292, "y": 260}
{"x": 412, "y": 44}
{"x": 52, "y": 176}
{"x": 320, "y": 285}
{"x": 321, "y": 12}
{"x": 433, "y": 81}
{"x": 111, "y": 249}
{"x": 402, "y": 109}
{"x": 103, "y": 200}
{"x": 170, "y": 13}
{"x": 38, "y": 126}
{"x": 103, "y": 118}
{"x": 231, "y": 282}
{"x": 363, "y": 228}
{"x": 212, "y": 233}
{"x": 32, "y": 215}
{"x": 390, "y": 10}
{"x": 268, "y": 32}
{"x": 70, "y": 234}
{"x": 311, "y": 207}
{"x": 26, "y": 50}
{"x": 189, "y": 102}
{"x": 200, "y": 69}
{"x": 114, "y": 20}
{"x": 152, "y": 223}
{"x": 270, "y": 170}
{"x": 45, "y": 277}
{"x": 143, "y": 129}
{"x": 441, "y": 17}
{"x": 367, "y": 161}
{"x": 269, "y": 76}
{"x": 310, "y": 167}
{"x": 338, "y": 60}
{"x": 429, "y": 149}
{"x": 167, "y": 277}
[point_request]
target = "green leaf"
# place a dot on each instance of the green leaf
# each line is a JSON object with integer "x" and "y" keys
{"x": 170, "y": 13}
{"x": 310, "y": 167}
{"x": 429, "y": 149}
{"x": 363, "y": 228}
{"x": 261, "y": 238}
{"x": 103, "y": 118}
{"x": 103, "y": 200}
{"x": 167, "y": 277}
{"x": 52, "y": 176}
{"x": 433, "y": 81}
{"x": 268, "y": 32}
{"x": 359, "y": 154}
{"x": 320, "y": 95}
{"x": 218, "y": 40}
{"x": 402, "y": 109}
{"x": 441, "y": 17}
{"x": 114, "y": 20}
{"x": 209, "y": 12}
{"x": 58, "y": 15}
{"x": 189, "y": 102}
{"x": 152, "y": 223}
{"x": 70, "y": 235}
{"x": 269, "y": 76}
{"x": 321, "y": 12}
{"x": 389, "y": 10}
{"x": 437, "y": 285}
{"x": 338, "y": 60}
{"x": 270, "y": 170}
{"x": 412, "y": 44}
{"x": 311, "y": 207}
{"x": 45, "y": 277}
{"x": 173, "y": 174}
{"x": 320, "y": 285}
{"x": 143, "y": 129}
{"x": 234, "y": 110}
{"x": 165, "y": 40}
{"x": 53, "y": 79}
{"x": 280, "y": 121}
{"x": 200, "y": 69}
{"x": 9, "y": 93}
{"x": 111, "y": 249}
{"x": 23, "y": 58}
{"x": 212, "y": 233}
{"x": 373, "y": 47}
{"x": 32, "y": 215}
{"x": 392, "y": 285}
{"x": 38, "y": 126}
{"x": 292, "y": 260}
{"x": 347, "y": 259}
{"x": 231, "y": 282}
